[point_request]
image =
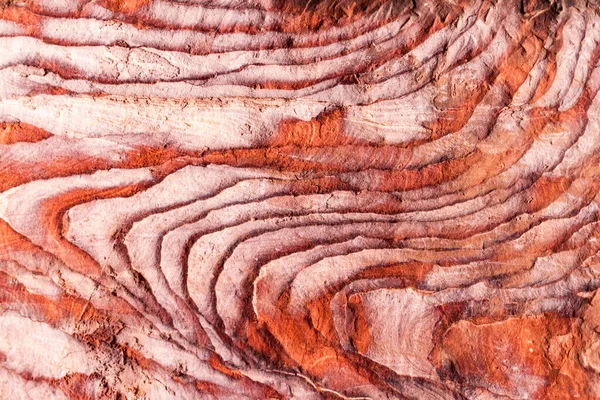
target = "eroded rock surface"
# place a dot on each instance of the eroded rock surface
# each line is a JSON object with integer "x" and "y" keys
{"x": 281, "y": 199}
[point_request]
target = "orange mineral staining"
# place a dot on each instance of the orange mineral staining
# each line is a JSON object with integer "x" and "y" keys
{"x": 327, "y": 199}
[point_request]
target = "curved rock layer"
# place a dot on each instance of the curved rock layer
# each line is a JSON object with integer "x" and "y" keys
{"x": 277, "y": 199}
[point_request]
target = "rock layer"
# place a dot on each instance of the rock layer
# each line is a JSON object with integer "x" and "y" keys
{"x": 335, "y": 199}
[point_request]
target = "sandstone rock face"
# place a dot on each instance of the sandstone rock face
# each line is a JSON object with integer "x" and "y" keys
{"x": 283, "y": 199}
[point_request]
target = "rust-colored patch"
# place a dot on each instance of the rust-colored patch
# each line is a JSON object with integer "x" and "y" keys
{"x": 544, "y": 191}
{"x": 124, "y": 6}
{"x": 324, "y": 130}
{"x": 16, "y": 173}
{"x": 21, "y": 132}
{"x": 410, "y": 179}
{"x": 11, "y": 241}
{"x": 77, "y": 386}
{"x": 516, "y": 66}
{"x": 508, "y": 357}
{"x": 411, "y": 273}
{"x": 361, "y": 335}
{"x": 9, "y": 11}
{"x": 261, "y": 342}
{"x": 320, "y": 318}
{"x": 315, "y": 354}
{"x": 317, "y": 15}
